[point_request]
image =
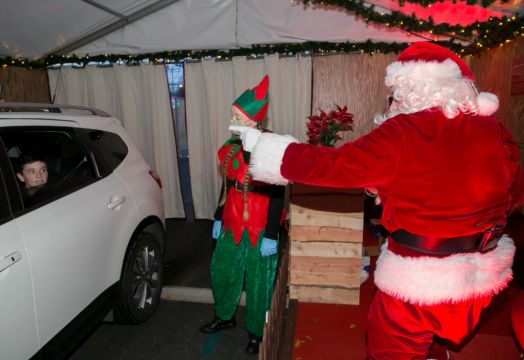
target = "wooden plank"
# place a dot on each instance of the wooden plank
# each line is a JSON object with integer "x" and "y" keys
{"x": 327, "y": 249}
{"x": 325, "y": 271}
{"x": 295, "y": 209}
{"x": 344, "y": 281}
{"x": 339, "y": 203}
{"x": 325, "y": 294}
{"x": 327, "y": 233}
{"x": 286, "y": 347}
{"x": 348, "y": 221}
{"x": 325, "y": 265}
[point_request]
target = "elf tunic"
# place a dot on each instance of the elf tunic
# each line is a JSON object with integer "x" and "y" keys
{"x": 237, "y": 253}
{"x": 437, "y": 177}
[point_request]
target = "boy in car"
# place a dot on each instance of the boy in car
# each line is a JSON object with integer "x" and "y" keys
{"x": 32, "y": 171}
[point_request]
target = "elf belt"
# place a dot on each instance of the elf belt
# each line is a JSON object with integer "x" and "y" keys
{"x": 250, "y": 188}
{"x": 481, "y": 242}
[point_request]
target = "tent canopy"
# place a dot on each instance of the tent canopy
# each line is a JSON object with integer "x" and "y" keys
{"x": 35, "y": 28}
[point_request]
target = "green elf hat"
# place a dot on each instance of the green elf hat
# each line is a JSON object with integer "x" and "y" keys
{"x": 253, "y": 102}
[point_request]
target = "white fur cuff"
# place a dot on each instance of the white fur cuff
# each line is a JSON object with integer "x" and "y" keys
{"x": 266, "y": 158}
{"x": 429, "y": 280}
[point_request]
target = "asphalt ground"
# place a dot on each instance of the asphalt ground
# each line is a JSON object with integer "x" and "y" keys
{"x": 171, "y": 333}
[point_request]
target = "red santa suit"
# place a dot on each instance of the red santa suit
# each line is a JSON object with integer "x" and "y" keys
{"x": 443, "y": 181}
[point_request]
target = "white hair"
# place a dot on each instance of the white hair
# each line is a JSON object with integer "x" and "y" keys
{"x": 451, "y": 94}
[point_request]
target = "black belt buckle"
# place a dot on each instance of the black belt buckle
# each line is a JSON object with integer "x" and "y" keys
{"x": 491, "y": 238}
{"x": 250, "y": 188}
{"x": 238, "y": 186}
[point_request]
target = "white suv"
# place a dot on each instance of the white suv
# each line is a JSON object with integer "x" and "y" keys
{"x": 87, "y": 242}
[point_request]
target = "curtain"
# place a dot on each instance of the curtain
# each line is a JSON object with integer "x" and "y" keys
{"x": 139, "y": 97}
{"x": 212, "y": 86}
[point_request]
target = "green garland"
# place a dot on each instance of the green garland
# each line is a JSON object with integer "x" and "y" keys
{"x": 414, "y": 24}
{"x": 482, "y": 35}
{"x": 166, "y": 57}
{"x": 484, "y": 3}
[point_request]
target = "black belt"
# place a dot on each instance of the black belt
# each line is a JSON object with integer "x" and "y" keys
{"x": 250, "y": 188}
{"x": 482, "y": 242}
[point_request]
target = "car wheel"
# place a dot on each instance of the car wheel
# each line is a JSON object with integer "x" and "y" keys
{"x": 141, "y": 282}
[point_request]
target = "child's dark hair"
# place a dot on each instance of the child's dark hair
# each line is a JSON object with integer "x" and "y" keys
{"x": 27, "y": 159}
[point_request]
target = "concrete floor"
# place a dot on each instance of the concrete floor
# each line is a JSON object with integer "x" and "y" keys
{"x": 172, "y": 332}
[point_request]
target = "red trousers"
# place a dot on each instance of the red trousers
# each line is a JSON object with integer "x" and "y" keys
{"x": 401, "y": 331}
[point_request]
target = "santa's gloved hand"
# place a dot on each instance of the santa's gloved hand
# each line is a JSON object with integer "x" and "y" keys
{"x": 217, "y": 225}
{"x": 268, "y": 247}
{"x": 248, "y": 135}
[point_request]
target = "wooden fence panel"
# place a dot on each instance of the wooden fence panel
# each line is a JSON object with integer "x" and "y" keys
{"x": 274, "y": 327}
{"x": 23, "y": 85}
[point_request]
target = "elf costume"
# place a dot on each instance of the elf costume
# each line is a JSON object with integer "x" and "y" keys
{"x": 250, "y": 213}
{"x": 448, "y": 174}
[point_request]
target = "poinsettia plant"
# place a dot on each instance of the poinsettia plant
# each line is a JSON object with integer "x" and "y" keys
{"x": 324, "y": 129}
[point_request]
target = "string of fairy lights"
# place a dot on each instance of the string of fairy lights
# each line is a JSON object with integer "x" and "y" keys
{"x": 464, "y": 40}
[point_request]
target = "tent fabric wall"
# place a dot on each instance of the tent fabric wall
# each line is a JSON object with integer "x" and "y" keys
{"x": 32, "y": 28}
{"x": 212, "y": 86}
{"x": 35, "y": 28}
{"x": 139, "y": 97}
{"x": 186, "y": 24}
{"x": 230, "y": 24}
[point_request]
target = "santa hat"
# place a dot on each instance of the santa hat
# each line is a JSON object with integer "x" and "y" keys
{"x": 253, "y": 102}
{"x": 424, "y": 60}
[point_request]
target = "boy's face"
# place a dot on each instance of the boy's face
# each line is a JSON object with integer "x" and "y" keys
{"x": 33, "y": 174}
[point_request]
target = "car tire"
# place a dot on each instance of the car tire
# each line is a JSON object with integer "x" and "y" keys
{"x": 141, "y": 281}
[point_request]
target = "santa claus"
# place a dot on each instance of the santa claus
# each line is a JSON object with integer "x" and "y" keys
{"x": 448, "y": 175}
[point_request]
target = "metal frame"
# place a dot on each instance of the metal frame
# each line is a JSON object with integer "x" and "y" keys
{"x": 121, "y": 22}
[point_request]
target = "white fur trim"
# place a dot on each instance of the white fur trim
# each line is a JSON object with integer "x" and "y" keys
{"x": 266, "y": 158}
{"x": 429, "y": 280}
{"x": 422, "y": 70}
{"x": 488, "y": 103}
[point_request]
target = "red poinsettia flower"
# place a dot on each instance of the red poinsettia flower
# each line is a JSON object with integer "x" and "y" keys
{"x": 323, "y": 129}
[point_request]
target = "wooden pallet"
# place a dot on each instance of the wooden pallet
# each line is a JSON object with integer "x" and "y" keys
{"x": 326, "y": 232}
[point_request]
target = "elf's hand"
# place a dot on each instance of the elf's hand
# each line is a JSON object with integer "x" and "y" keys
{"x": 217, "y": 225}
{"x": 268, "y": 247}
{"x": 248, "y": 135}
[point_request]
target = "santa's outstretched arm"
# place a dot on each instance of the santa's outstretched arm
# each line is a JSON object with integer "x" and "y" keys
{"x": 372, "y": 160}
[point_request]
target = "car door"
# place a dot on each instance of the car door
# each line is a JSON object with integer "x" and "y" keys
{"x": 18, "y": 332}
{"x": 74, "y": 231}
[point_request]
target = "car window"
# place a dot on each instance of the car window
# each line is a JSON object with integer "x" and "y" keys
{"x": 108, "y": 149}
{"x": 48, "y": 163}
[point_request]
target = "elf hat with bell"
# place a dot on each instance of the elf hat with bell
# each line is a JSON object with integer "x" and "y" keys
{"x": 424, "y": 60}
{"x": 253, "y": 102}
